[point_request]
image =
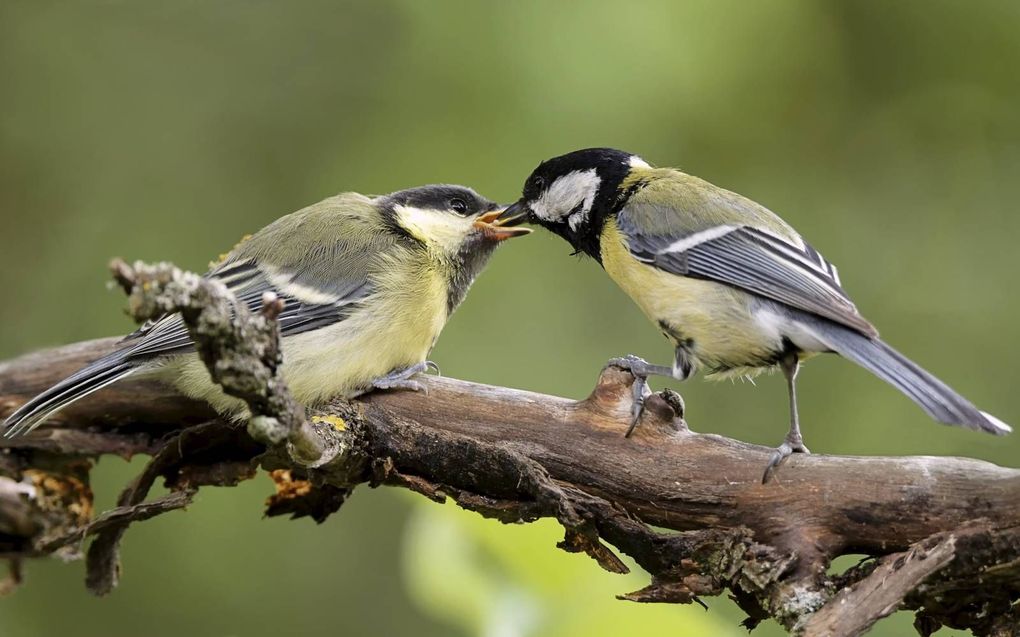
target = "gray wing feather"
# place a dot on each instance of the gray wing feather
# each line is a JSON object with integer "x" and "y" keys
{"x": 752, "y": 260}
{"x": 249, "y": 283}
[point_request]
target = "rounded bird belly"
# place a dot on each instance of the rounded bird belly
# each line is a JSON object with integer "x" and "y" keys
{"x": 340, "y": 360}
{"x": 715, "y": 323}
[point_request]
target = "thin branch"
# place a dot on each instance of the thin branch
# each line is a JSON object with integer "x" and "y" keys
{"x": 103, "y": 561}
{"x": 102, "y": 564}
{"x": 14, "y": 577}
{"x": 241, "y": 350}
{"x": 856, "y": 608}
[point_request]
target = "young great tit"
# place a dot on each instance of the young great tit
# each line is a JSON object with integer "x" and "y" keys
{"x": 368, "y": 282}
{"x": 733, "y": 287}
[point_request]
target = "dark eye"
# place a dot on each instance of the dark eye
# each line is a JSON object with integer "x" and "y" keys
{"x": 459, "y": 206}
{"x": 539, "y": 183}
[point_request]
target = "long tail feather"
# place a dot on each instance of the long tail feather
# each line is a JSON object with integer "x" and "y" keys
{"x": 85, "y": 381}
{"x": 931, "y": 394}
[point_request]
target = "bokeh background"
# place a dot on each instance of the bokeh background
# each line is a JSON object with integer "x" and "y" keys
{"x": 888, "y": 133}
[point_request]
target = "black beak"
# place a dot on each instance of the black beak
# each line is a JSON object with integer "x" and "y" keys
{"x": 515, "y": 214}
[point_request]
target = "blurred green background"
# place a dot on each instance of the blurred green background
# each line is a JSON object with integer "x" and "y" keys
{"x": 888, "y": 133}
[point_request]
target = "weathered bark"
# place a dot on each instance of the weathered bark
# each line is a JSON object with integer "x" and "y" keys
{"x": 946, "y": 531}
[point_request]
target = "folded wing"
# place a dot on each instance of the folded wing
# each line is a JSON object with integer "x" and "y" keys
{"x": 309, "y": 305}
{"x": 752, "y": 259}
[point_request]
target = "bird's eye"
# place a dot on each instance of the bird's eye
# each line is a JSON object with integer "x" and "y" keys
{"x": 459, "y": 206}
{"x": 539, "y": 183}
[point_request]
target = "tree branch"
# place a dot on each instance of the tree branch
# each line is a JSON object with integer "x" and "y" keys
{"x": 689, "y": 508}
{"x": 856, "y": 608}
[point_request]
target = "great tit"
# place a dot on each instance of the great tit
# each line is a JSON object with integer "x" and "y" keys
{"x": 368, "y": 284}
{"x": 731, "y": 285}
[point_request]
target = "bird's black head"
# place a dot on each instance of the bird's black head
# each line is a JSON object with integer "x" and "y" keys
{"x": 573, "y": 194}
{"x": 459, "y": 200}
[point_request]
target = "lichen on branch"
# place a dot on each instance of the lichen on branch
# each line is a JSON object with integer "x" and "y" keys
{"x": 241, "y": 349}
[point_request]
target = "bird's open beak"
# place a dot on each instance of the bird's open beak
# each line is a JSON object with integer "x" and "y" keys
{"x": 498, "y": 224}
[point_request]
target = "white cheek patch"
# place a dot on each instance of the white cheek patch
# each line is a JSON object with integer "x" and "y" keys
{"x": 567, "y": 193}
{"x": 442, "y": 230}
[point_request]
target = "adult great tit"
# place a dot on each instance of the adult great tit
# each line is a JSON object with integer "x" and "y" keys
{"x": 368, "y": 284}
{"x": 733, "y": 287}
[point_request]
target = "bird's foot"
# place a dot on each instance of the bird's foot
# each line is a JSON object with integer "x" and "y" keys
{"x": 794, "y": 443}
{"x": 401, "y": 378}
{"x": 641, "y": 370}
{"x": 639, "y": 391}
{"x": 639, "y": 366}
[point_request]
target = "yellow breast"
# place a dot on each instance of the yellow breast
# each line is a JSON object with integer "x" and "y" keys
{"x": 393, "y": 329}
{"x": 713, "y": 320}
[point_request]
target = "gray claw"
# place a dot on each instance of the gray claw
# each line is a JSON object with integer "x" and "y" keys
{"x": 640, "y": 369}
{"x": 780, "y": 453}
{"x": 639, "y": 391}
{"x": 404, "y": 383}
{"x": 401, "y": 378}
{"x": 627, "y": 362}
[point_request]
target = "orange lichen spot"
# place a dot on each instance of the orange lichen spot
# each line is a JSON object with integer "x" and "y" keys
{"x": 62, "y": 492}
{"x": 287, "y": 488}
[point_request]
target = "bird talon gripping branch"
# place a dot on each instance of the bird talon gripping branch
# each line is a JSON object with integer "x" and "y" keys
{"x": 403, "y": 378}
{"x": 640, "y": 369}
